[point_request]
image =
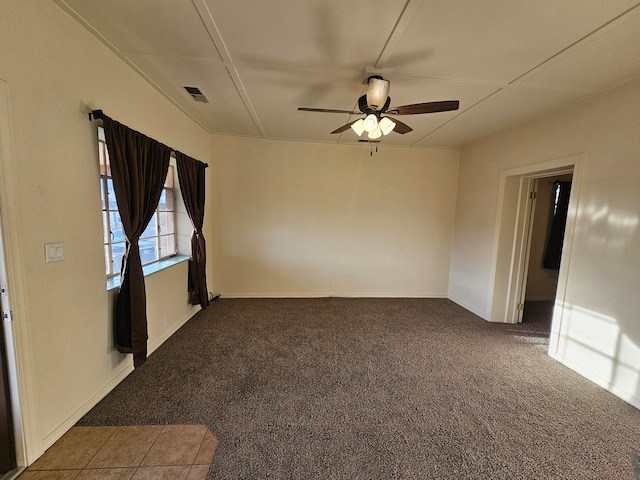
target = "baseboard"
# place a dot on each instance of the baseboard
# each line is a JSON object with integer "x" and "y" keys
{"x": 466, "y": 306}
{"x": 333, "y": 294}
{"x": 120, "y": 375}
{"x": 629, "y": 397}
{"x": 153, "y": 346}
{"x": 72, "y": 419}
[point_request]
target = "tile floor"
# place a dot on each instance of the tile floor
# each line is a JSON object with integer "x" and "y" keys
{"x": 158, "y": 452}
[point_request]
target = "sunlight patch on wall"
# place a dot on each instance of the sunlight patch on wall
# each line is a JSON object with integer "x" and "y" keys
{"x": 595, "y": 345}
{"x": 602, "y": 221}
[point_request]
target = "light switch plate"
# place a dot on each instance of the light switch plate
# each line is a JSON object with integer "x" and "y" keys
{"x": 53, "y": 252}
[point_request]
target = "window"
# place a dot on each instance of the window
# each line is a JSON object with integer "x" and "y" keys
{"x": 157, "y": 242}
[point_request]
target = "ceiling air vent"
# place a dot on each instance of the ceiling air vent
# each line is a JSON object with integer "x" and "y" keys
{"x": 196, "y": 94}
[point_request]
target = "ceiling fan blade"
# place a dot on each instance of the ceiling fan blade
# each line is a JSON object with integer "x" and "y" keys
{"x": 327, "y": 110}
{"x": 345, "y": 127}
{"x": 428, "y": 107}
{"x": 401, "y": 128}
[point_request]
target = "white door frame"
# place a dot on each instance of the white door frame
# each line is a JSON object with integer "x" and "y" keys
{"x": 511, "y": 245}
{"x": 16, "y": 327}
{"x": 520, "y": 260}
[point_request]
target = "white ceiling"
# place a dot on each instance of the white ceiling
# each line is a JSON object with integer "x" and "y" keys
{"x": 507, "y": 61}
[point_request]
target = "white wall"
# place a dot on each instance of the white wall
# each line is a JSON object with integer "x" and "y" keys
{"x": 304, "y": 219}
{"x": 55, "y": 72}
{"x": 598, "y": 333}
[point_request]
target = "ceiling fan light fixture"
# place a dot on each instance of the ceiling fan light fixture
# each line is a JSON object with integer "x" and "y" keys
{"x": 375, "y": 133}
{"x": 358, "y": 127}
{"x": 386, "y": 125}
{"x": 370, "y": 123}
{"x": 377, "y": 92}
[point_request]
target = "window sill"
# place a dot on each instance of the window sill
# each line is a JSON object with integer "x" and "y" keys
{"x": 114, "y": 282}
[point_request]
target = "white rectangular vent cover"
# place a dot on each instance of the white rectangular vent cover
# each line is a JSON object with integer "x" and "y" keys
{"x": 196, "y": 94}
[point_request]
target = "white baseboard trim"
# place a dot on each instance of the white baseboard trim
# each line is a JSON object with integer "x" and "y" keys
{"x": 119, "y": 376}
{"x": 153, "y": 346}
{"x": 629, "y": 397}
{"x": 72, "y": 419}
{"x": 333, "y": 294}
{"x": 466, "y": 306}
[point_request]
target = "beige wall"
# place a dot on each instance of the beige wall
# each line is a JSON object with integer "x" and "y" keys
{"x": 305, "y": 219}
{"x": 596, "y": 327}
{"x": 53, "y": 72}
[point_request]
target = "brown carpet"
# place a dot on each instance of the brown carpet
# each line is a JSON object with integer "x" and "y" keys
{"x": 376, "y": 389}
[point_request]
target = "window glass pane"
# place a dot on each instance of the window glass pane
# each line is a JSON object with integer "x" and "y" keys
{"x": 102, "y": 194}
{"x": 106, "y": 259}
{"x": 162, "y": 204}
{"x": 166, "y": 201}
{"x": 117, "y": 234}
{"x": 166, "y": 223}
{"x": 168, "y": 182}
{"x": 105, "y": 227}
{"x": 117, "y": 252}
{"x": 103, "y": 153}
{"x": 152, "y": 228}
{"x": 103, "y": 161}
{"x": 148, "y": 250}
{"x": 113, "y": 205}
{"x": 167, "y": 245}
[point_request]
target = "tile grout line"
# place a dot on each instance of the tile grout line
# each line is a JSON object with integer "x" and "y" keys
{"x": 96, "y": 452}
{"x": 150, "y": 448}
{"x": 136, "y": 468}
{"x": 206, "y": 430}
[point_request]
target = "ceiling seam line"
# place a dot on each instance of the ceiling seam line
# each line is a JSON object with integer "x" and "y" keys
{"x": 404, "y": 20}
{"x": 214, "y": 33}
{"x": 458, "y": 115}
{"x": 570, "y": 46}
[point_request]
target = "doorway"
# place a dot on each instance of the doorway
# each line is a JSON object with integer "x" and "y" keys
{"x": 7, "y": 440}
{"x": 512, "y": 237}
{"x": 12, "y": 436}
{"x": 548, "y": 214}
{"x": 7, "y": 437}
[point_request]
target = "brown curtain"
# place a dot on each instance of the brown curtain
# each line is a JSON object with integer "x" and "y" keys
{"x": 191, "y": 175}
{"x": 139, "y": 168}
{"x": 559, "y": 212}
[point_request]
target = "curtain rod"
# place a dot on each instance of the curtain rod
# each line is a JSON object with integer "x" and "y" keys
{"x": 99, "y": 115}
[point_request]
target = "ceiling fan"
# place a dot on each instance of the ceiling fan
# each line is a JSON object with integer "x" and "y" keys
{"x": 375, "y": 103}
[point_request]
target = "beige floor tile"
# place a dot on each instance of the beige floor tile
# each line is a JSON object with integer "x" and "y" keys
{"x": 198, "y": 472}
{"x": 74, "y": 449}
{"x": 207, "y": 450}
{"x": 106, "y": 474}
{"x": 49, "y": 475}
{"x": 126, "y": 447}
{"x": 162, "y": 473}
{"x": 176, "y": 445}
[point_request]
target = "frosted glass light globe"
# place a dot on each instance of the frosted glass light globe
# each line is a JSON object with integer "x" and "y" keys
{"x": 370, "y": 123}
